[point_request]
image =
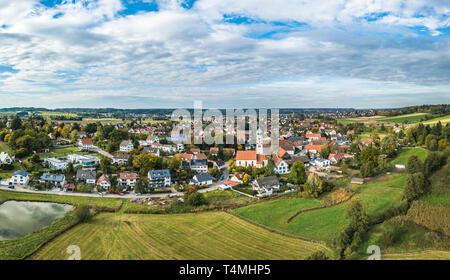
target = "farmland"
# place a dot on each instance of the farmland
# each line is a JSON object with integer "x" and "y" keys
{"x": 410, "y": 118}
{"x": 206, "y": 235}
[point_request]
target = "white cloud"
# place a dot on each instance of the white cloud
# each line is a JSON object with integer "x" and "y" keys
{"x": 89, "y": 52}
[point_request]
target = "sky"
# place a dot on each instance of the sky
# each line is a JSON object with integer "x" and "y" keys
{"x": 228, "y": 54}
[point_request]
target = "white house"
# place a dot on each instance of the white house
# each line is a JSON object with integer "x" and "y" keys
{"x": 83, "y": 160}
{"x": 281, "y": 166}
{"x": 201, "y": 179}
{"x": 86, "y": 144}
{"x": 321, "y": 162}
{"x": 128, "y": 179}
{"x": 266, "y": 186}
{"x": 104, "y": 182}
{"x": 159, "y": 178}
{"x": 126, "y": 146}
{"x": 20, "y": 177}
{"x": 55, "y": 163}
{"x": 5, "y": 158}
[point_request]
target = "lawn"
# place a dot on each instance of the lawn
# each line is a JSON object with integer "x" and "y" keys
{"x": 427, "y": 255}
{"x": 443, "y": 120}
{"x": 404, "y": 154}
{"x": 206, "y": 235}
{"x": 275, "y": 213}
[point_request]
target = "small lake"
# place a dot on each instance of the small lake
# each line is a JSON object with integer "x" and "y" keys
{"x": 18, "y": 218}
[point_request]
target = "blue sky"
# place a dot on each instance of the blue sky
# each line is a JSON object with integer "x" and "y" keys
{"x": 228, "y": 54}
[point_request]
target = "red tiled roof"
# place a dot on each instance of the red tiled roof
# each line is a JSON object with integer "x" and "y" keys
{"x": 200, "y": 156}
{"x": 127, "y": 175}
{"x": 231, "y": 183}
{"x": 103, "y": 178}
{"x": 313, "y": 147}
{"x": 87, "y": 141}
{"x": 246, "y": 155}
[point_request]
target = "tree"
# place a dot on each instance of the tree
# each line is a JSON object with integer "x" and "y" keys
{"x": 318, "y": 255}
{"x": 432, "y": 163}
{"x": 196, "y": 199}
{"x": 414, "y": 165}
{"x": 313, "y": 186}
{"x": 431, "y": 142}
{"x": 246, "y": 179}
{"x": 415, "y": 186}
{"x": 389, "y": 145}
{"x": 83, "y": 213}
{"x": 270, "y": 168}
{"x": 325, "y": 151}
{"x": 298, "y": 173}
{"x": 35, "y": 158}
{"x": 141, "y": 186}
{"x": 175, "y": 162}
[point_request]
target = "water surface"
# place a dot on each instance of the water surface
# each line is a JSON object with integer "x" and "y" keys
{"x": 18, "y": 218}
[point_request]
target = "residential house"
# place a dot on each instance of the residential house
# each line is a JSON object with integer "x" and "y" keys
{"x": 281, "y": 166}
{"x": 55, "y": 163}
{"x": 150, "y": 150}
{"x": 56, "y": 179}
{"x": 288, "y": 146}
{"x": 86, "y": 144}
{"x": 83, "y": 160}
{"x": 104, "y": 182}
{"x": 202, "y": 179}
{"x": 20, "y": 177}
{"x": 159, "y": 178}
{"x": 128, "y": 179}
{"x": 312, "y": 136}
{"x": 266, "y": 186}
{"x": 199, "y": 165}
{"x": 335, "y": 158}
{"x": 120, "y": 158}
{"x": 214, "y": 151}
{"x": 238, "y": 177}
{"x": 5, "y": 158}
{"x": 313, "y": 148}
{"x": 126, "y": 146}
{"x": 86, "y": 176}
{"x": 301, "y": 158}
{"x": 321, "y": 162}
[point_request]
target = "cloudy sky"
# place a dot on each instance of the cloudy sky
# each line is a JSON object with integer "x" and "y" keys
{"x": 228, "y": 54}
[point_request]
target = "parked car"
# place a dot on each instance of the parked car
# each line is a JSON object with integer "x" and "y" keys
{"x": 11, "y": 187}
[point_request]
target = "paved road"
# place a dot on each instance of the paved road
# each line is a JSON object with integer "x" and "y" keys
{"x": 103, "y": 152}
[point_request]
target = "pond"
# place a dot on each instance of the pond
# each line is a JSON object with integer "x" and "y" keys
{"x": 18, "y": 218}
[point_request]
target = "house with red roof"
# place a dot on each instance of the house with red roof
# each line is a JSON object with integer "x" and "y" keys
{"x": 250, "y": 158}
{"x": 104, "y": 182}
{"x": 86, "y": 144}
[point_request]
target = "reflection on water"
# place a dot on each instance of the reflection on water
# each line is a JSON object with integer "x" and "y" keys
{"x": 18, "y": 218}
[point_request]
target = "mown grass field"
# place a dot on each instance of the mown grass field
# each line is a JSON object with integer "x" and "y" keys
{"x": 206, "y": 235}
{"x": 443, "y": 120}
{"x": 404, "y": 154}
{"x": 427, "y": 255}
{"x": 411, "y": 118}
{"x": 323, "y": 224}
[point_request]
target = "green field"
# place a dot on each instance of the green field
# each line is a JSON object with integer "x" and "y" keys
{"x": 323, "y": 224}
{"x": 427, "y": 255}
{"x": 404, "y": 154}
{"x": 275, "y": 213}
{"x": 202, "y": 236}
{"x": 411, "y": 118}
{"x": 440, "y": 190}
{"x": 5, "y": 148}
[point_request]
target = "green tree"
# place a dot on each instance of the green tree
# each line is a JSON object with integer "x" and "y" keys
{"x": 298, "y": 173}
{"x": 415, "y": 186}
{"x": 414, "y": 165}
{"x": 325, "y": 151}
{"x": 313, "y": 186}
{"x": 389, "y": 145}
{"x": 196, "y": 199}
{"x": 83, "y": 213}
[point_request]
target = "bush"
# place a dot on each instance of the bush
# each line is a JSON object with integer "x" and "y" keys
{"x": 196, "y": 199}
{"x": 83, "y": 213}
{"x": 318, "y": 255}
{"x": 391, "y": 236}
